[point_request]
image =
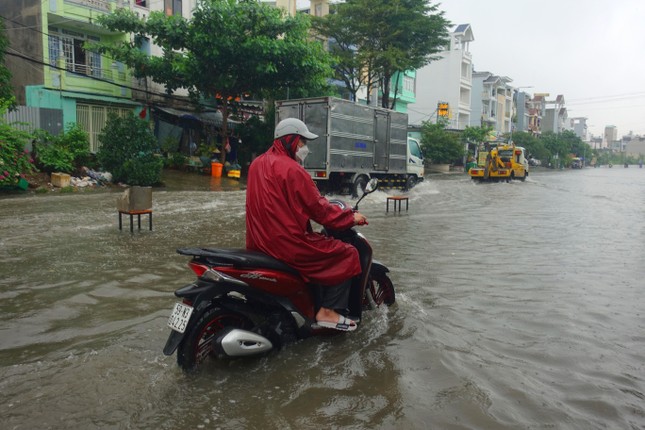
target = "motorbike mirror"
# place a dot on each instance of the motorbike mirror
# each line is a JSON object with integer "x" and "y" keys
{"x": 372, "y": 185}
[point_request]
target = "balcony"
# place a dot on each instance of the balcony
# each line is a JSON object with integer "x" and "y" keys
{"x": 102, "y": 5}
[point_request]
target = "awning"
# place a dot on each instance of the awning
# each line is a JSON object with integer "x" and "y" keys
{"x": 212, "y": 118}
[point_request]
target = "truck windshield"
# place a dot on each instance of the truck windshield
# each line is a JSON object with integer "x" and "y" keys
{"x": 414, "y": 148}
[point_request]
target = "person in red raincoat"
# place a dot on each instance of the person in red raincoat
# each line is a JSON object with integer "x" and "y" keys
{"x": 281, "y": 199}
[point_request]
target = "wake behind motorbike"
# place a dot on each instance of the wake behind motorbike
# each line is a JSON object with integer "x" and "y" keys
{"x": 246, "y": 303}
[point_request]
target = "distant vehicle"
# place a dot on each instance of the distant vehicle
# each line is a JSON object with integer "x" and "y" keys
{"x": 577, "y": 163}
{"x": 500, "y": 162}
{"x": 534, "y": 162}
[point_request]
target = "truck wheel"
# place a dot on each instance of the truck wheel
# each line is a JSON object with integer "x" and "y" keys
{"x": 410, "y": 183}
{"x": 359, "y": 186}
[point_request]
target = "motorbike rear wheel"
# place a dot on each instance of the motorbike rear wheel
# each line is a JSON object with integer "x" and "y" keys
{"x": 379, "y": 291}
{"x": 198, "y": 345}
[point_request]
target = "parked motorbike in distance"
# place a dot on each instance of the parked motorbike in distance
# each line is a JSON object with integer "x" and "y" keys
{"x": 246, "y": 303}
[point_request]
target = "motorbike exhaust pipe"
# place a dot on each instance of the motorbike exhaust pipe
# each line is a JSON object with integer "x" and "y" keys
{"x": 240, "y": 343}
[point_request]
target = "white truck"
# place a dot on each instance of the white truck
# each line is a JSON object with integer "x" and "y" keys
{"x": 356, "y": 143}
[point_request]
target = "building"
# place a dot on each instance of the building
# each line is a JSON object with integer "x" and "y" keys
{"x": 554, "y": 117}
{"x": 635, "y": 146}
{"x": 492, "y": 102}
{"x": 446, "y": 81}
{"x": 610, "y": 136}
{"x": 579, "y": 127}
{"x": 522, "y": 110}
{"x": 52, "y": 68}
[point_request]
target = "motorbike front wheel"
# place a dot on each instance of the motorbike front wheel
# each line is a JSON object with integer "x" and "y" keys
{"x": 379, "y": 291}
{"x": 198, "y": 344}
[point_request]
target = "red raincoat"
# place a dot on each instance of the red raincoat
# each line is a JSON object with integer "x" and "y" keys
{"x": 281, "y": 198}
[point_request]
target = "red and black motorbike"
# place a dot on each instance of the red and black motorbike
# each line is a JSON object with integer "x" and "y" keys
{"x": 247, "y": 303}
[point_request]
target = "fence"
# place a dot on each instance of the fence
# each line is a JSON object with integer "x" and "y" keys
{"x": 32, "y": 118}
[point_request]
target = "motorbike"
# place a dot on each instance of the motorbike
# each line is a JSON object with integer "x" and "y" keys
{"x": 245, "y": 303}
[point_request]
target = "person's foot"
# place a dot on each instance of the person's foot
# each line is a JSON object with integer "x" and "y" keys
{"x": 329, "y": 318}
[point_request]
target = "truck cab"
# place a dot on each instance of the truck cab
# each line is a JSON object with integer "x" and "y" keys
{"x": 415, "y": 167}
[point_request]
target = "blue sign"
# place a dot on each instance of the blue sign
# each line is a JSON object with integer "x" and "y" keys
{"x": 361, "y": 145}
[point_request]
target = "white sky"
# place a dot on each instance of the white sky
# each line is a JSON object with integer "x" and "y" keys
{"x": 590, "y": 51}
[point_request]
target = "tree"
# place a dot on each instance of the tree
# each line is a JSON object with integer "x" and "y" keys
{"x": 439, "y": 145}
{"x": 476, "y": 135}
{"x": 7, "y": 98}
{"x": 390, "y": 36}
{"x": 351, "y": 66}
{"x": 228, "y": 50}
{"x": 534, "y": 146}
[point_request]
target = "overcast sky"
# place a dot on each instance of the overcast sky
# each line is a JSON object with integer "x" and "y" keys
{"x": 590, "y": 51}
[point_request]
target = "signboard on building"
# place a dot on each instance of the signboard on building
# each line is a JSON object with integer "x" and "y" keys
{"x": 443, "y": 109}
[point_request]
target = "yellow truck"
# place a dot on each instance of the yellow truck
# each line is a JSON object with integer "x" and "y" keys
{"x": 500, "y": 162}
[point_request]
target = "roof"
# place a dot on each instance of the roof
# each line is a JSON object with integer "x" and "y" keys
{"x": 465, "y": 32}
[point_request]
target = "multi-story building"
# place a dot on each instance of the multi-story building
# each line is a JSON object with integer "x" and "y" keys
{"x": 610, "y": 136}
{"x": 579, "y": 127}
{"x": 536, "y": 108}
{"x": 446, "y": 81}
{"x": 522, "y": 110}
{"x": 53, "y": 69}
{"x": 554, "y": 117}
{"x": 492, "y": 102}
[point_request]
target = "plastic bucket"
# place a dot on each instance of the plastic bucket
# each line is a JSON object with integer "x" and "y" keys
{"x": 216, "y": 169}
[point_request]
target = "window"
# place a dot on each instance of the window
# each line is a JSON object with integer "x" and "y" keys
{"x": 143, "y": 43}
{"x": 172, "y": 7}
{"x": 141, "y": 3}
{"x": 408, "y": 84}
{"x": 69, "y": 45}
{"x": 414, "y": 148}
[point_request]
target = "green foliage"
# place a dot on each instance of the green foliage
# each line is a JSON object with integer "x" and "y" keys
{"x": 228, "y": 49}
{"x": 7, "y": 98}
{"x": 476, "y": 134}
{"x": 561, "y": 147}
{"x": 175, "y": 160}
{"x": 440, "y": 146}
{"x": 534, "y": 146}
{"x": 66, "y": 153}
{"x": 52, "y": 157}
{"x": 127, "y": 151}
{"x": 389, "y": 36}
{"x": 15, "y": 160}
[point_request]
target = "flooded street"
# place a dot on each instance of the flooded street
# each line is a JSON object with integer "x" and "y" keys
{"x": 519, "y": 306}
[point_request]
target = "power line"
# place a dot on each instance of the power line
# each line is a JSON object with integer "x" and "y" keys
{"x": 96, "y": 78}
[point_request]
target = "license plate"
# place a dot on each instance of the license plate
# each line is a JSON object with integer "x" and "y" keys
{"x": 179, "y": 317}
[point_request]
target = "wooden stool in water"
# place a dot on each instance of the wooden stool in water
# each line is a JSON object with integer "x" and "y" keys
{"x": 396, "y": 199}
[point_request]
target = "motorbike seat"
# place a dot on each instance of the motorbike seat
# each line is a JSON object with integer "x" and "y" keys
{"x": 238, "y": 258}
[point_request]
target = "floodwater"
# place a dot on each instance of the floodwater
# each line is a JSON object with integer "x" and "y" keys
{"x": 520, "y": 306}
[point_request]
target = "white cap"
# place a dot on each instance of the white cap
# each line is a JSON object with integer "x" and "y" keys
{"x": 293, "y": 126}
